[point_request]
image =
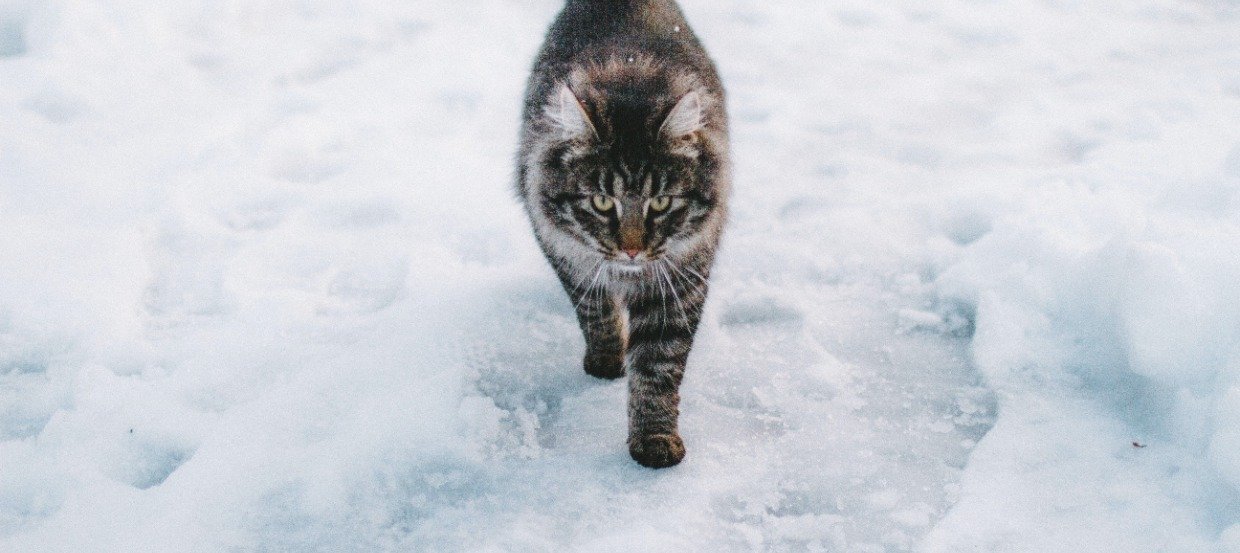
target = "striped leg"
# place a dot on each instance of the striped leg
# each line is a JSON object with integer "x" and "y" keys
{"x": 662, "y": 322}
{"x": 600, "y": 323}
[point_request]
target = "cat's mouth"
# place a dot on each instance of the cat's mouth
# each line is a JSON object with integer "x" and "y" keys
{"x": 629, "y": 267}
{"x": 630, "y": 264}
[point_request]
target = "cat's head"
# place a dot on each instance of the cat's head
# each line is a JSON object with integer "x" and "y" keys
{"x": 633, "y": 164}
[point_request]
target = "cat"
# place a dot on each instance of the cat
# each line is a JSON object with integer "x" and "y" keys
{"x": 624, "y": 171}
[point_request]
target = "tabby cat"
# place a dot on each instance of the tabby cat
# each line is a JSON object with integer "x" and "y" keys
{"x": 624, "y": 172}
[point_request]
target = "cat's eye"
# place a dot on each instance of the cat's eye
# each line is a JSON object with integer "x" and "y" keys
{"x": 603, "y": 203}
{"x": 660, "y": 203}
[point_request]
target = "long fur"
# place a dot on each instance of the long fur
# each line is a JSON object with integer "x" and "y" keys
{"x": 624, "y": 106}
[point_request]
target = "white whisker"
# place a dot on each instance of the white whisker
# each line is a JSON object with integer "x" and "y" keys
{"x": 679, "y": 304}
{"x": 597, "y": 271}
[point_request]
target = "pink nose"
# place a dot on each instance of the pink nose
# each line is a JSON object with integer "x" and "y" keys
{"x": 632, "y": 253}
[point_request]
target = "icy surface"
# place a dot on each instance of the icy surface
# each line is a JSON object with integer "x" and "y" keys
{"x": 264, "y": 286}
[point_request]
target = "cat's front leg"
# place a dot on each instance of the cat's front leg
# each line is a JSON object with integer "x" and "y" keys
{"x": 601, "y": 325}
{"x": 662, "y": 326}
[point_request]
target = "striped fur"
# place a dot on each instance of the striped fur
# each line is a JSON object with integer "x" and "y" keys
{"x": 624, "y": 172}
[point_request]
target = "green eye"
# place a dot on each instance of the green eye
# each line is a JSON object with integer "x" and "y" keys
{"x": 660, "y": 203}
{"x": 603, "y": 203}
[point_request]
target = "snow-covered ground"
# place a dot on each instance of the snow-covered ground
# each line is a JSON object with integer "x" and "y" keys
{"x": 264, "y": 286}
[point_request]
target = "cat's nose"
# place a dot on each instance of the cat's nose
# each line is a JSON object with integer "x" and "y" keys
{"x": 631, "y": 252}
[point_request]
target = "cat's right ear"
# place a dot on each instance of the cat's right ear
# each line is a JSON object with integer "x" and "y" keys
{"x": 568, "y": 116}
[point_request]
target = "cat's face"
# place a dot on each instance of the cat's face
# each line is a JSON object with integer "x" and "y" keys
{"x": 631, "y": 212}
{"x": 629, "y": 182}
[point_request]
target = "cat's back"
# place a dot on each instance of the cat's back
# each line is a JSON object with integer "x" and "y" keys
{"x": 593, "y": 27}
{"x": 597, "y": 30}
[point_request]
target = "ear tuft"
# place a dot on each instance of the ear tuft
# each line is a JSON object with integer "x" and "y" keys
{"x": 567, "y": 115}
{"x": 686, "y": 118}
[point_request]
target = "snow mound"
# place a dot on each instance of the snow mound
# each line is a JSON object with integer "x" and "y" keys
{"x": 1114, "y": 352}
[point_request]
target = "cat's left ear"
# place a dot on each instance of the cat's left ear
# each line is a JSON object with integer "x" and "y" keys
{"x": 685, "y": 119}
{"x": 568, "y": 115}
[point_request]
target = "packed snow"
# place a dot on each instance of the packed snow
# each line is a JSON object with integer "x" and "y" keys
{"x": 264, "y": 285}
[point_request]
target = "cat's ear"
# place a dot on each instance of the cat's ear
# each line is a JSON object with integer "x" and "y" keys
{"x": 685, "y": 118}
{"x": 568, "y": 115}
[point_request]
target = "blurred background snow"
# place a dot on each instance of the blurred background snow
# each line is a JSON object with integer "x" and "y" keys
{"x": 264, "y": 286}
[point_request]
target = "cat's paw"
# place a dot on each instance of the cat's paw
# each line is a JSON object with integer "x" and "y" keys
{"x": 657, "y": 450}
{"x": 609, "y": 366}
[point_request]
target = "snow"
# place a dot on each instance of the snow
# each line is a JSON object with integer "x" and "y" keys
{"x": 264, "y": 285}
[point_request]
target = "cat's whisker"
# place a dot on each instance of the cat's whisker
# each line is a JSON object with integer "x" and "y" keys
{"x": 597, "y": 266}
{"x": 679, "y": 304}
{"x": 693, "y": 287}
{"x": 663, "y": 277}
{"x": 662, "y": 295}
{"x": 659, "y": 277}
{"x": 597, "y": 271}
{"x": 694, "y": 272}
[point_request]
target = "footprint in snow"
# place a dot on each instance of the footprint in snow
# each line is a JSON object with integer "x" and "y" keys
{"x": 804, "y": 207}
{"x": 967, "y": 228}
{"x": 760, "y": 311}
{"x": 149, "y": 462}
{"x": 12, "y": 34}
